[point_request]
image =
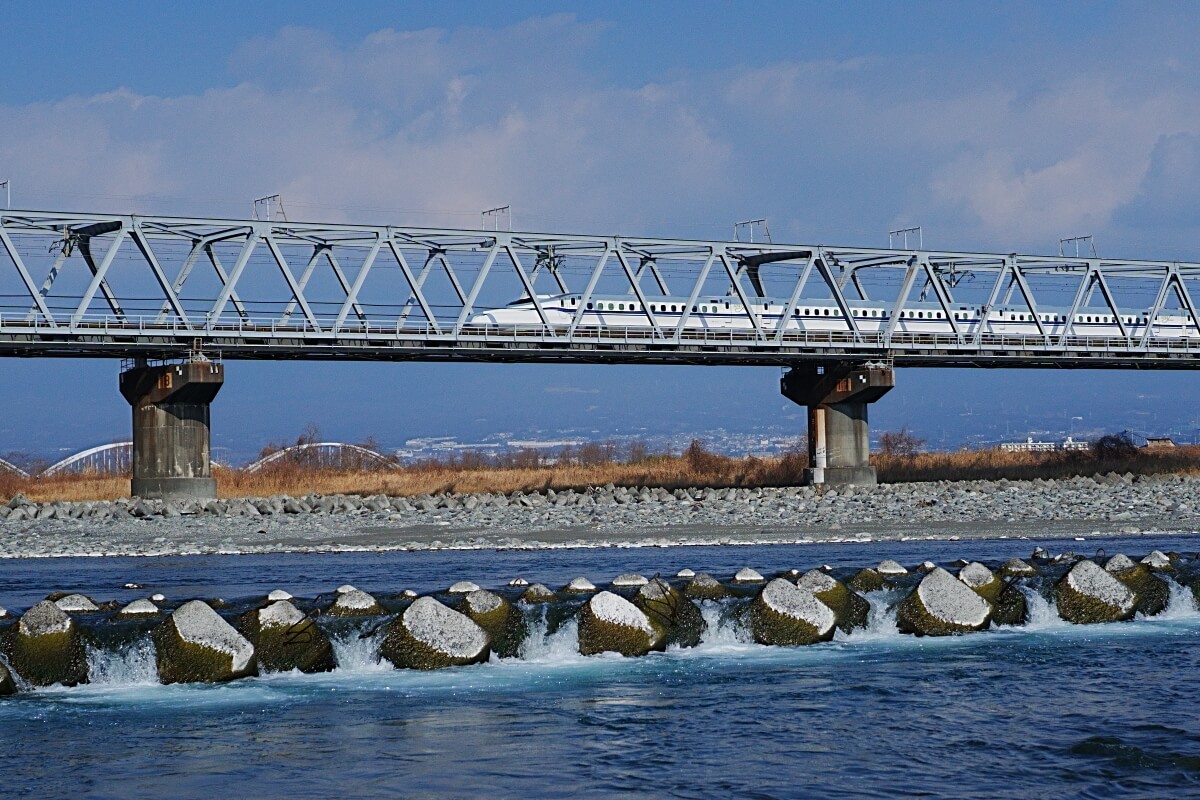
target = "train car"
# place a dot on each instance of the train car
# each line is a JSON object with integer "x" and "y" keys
{"x": 724, "y": 313}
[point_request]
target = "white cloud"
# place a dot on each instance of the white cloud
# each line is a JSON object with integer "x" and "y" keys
{"x": 452, "y": 121}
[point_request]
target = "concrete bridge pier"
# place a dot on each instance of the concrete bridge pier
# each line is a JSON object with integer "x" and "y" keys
{"x": 171, "y": 444}
{"x": 837, "y": 395}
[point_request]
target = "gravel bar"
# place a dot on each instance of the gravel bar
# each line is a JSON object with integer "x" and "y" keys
{"x": 606, "y": 517}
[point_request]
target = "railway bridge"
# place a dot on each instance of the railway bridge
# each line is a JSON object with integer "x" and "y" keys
{"x": 174, "y": 297}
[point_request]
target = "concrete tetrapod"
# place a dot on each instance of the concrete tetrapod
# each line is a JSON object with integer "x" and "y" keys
{"x": 705, "y": 587}
{"x": 608, "y": 623}
{"x": 1089, "y": 594}
{"x": 355, "y": 603}
{"x": 667, "y": 607}
{"x": 786, "y": 614}
{"x": 430, "y": 635}
{"x": 1152, "y": 592}
{"x": 504, "y": 624}
{"x": 195, "y": 644}
{"x": 7, "y": 684}
{"x": 942, "y": 605}
{"x": 46, "y": 647}
{"x": 850, "y": 608}
{"x": 1008, "y": 604}
{"x": 286, "y": 639}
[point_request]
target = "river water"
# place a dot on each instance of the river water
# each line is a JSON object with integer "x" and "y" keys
{"x": 1044, "y": 709}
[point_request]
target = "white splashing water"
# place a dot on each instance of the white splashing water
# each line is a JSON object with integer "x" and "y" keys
{"x": 1181, "y": 604}
{"x": 881, "y": 621}
{"x": 354, "y": 652}
{"x": 723, "y": 631}
{"x": 1041, "y": 614}
{"x": 131, "y": 665}
{"x": 541, "y": 646}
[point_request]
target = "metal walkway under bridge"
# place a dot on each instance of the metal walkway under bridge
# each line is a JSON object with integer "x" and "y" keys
{"x": 104, "y": 285}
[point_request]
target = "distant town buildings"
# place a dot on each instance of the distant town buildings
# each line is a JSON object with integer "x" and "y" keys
{"x": 1030, "y": 446}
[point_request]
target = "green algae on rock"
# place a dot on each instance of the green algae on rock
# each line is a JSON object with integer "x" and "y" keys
{"x": 942, "y": 605}
{"x": 354, "y": 603}
{"x": 1008, "y": 603}
{"x": 868, "y": 579}
{"x": 286, "y": 639}
{"x": 850, "y": 608}
{"x": 499, "y": 618}
{"x": 608, "y": 623}
{"x": 786, "y": 614}
{"x": 1089, "y": 594}
{"x": 537, "y": 593}
{"x": 1152, "y": 593}
{"x": 705, "y": 587}
{"x": 195, "y": 644}
{"x": 46, "y": 647}
{"x": 7, "y": 684}
{"x": 430, "y": 635}
{"x": 667, "y": 607}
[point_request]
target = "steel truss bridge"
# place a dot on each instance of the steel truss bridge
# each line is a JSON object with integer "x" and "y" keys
{"x": 100, "y": 285}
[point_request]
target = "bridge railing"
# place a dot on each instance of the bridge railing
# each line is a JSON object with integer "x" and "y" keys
{"x": 271, "y": 328}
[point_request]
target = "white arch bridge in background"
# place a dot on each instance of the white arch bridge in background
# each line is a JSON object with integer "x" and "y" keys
{"x": 326, "y": 454}
{"x": 13, "y": 468}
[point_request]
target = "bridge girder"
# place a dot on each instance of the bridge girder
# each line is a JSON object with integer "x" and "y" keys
{"x": 125, "y": 285}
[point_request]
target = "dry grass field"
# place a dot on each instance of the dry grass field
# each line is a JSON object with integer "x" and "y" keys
{"x": 695, "y": 467}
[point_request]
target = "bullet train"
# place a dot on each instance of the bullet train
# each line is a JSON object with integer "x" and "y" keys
{"x": 720, "y": 313}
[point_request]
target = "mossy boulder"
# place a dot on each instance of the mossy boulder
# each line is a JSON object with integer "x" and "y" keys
{"x": 890, "y": 567}
{"x": 430, "y": 635}
{"x": 195, "y": 644}
{"x": 868, "y": 580}
{"x": 608, "y": 623}
{"x": 502, "y": 621}
{"x": 355, "y": 603}
{"x": 666, "y": 606}
{"x": 286, "y": 639}
{"x": 1089, "y": 594}
{"x": 629, "y": 580}
{"x": 1152, "y": 592}
{"x": 786, "y": 614}
{"x": 942, "y": 605}
{"x": 7, "y": 684}
{"x": 46, "y": 647}
{"x": 849, "y": 607}
{"x": 705, "y": 587}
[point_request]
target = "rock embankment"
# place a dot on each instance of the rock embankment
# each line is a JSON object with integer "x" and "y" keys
{"x": 218, "y": 640}
{"x": 1114, "y": 502}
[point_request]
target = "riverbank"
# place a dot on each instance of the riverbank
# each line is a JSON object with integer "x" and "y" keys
{"x": 607, "y": 517}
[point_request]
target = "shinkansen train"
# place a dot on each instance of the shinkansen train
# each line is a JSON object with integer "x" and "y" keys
{"x": 717, "y": 313}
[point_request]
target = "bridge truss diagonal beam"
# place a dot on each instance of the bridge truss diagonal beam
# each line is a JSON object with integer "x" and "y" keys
{"x": 281, "y": 289}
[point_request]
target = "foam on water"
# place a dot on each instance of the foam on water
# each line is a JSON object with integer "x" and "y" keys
{"x": 544, "y": 647}
{"x": 881, "y": 620}
{"x": 1042, "y": 615}
{"x": 131, "y": 665}
{"x": 357, "y": 651}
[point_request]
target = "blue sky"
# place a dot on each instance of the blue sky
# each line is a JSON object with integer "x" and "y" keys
{"x": 994, "y": 125}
